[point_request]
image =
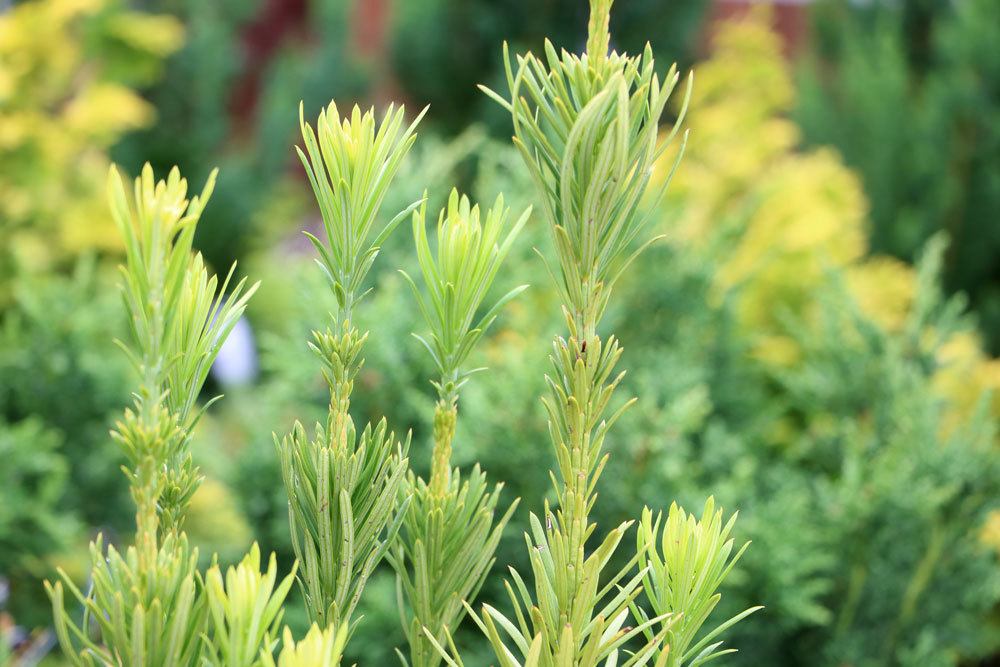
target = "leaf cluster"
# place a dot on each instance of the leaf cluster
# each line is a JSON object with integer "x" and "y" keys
{"x": 245, "y": 611}
{"x": 587, "y": 128}
{"x": 342, "y": 504}
{"x": 685, "y": 564}
{"x": 147, "y": 604}
{"x": 318, "y": 647}
{"x": 443, "y": 556}
{"x": 350, "y": 163}
{"x": 457, "y": 280}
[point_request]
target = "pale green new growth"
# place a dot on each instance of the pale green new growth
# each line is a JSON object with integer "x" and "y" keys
{"x": 343, "y": 490}
{"x": 350, "y": 164}
{"x": 245, "y": 611}
{"x": 319, "y": 648}
{"x": 588, "y": 130}
{"x": 457, "y": 279}
{"x": 445, "y": 550}
{"x": 179, "y": 316}
{"x": 685, "y": 565}
{"x": 148, "y": 603}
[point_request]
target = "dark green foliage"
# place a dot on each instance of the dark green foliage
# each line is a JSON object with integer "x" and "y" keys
{"x": 62, "y": 377}
{"x": 32, "y": 523}
{"x": 60, "y": 365}
{"x": 446, "y": 553}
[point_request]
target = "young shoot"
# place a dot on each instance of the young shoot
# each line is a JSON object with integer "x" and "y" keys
{"x": 350, "y": 163}
{"x": 148, "y": 602}
{"x": 588, "y": 130}
{"x": 344, "y": 489}
{"x": 449, "y": 537}
{"x": 319, "y": 648}
{"x": 245, "y": 611}
{"x": 685, "y": 563}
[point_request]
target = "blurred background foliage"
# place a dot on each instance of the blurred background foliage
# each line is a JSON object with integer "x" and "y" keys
{"x": 812, "y": 342}
{"x": 67, "y": 77}
{"x": 910, "y": 96}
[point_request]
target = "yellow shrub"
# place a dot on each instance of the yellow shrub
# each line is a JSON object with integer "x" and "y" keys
{"x": 779, "y": 220}
{"x": 884, "y": 288}
{"x": 965, "y": 374}
{"x": 66, "y": 71}
{"x": 783, "y": 217}
{"x": 214, "y": 520}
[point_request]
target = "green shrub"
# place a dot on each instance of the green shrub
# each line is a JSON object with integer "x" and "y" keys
{"x": 62, "y": 378}
{"x": 933, "y": 167}
{"x": 56, "y": 346}
{"x": 31, "y": 523}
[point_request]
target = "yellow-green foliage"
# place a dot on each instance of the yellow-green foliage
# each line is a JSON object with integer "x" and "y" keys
{"x": 214, "y": 521}
{"x": 66, "y": 71}
{"x": 779, "y": 214}
{"x": 966, "y": 373}
{"x": 783, "y": 219}
{"x": 245, "y": 611}
{"x": 319, "y": 648}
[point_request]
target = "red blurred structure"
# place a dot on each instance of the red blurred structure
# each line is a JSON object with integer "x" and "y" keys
{"x": 262, "y": 37}
{"x": 789, "y": 18}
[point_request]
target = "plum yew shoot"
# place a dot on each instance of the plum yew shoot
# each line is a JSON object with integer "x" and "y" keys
{"x": 148, "y": 602}
{"x": 587, "y": 128}
{"x": 345, "y": 488}
{"x": 684, "y": 565}
{"x": 319, "y": 648}
{"x": 245, "y": 611}
{"x": 446, "y": 548}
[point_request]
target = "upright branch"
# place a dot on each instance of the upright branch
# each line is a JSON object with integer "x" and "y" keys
{"x": 587, "y": 128}
{"x": 457, "y": 279}
{"x": 180, "y": 317}
{"x": 449, "y": 536}
{"x": 684, "y": 565}
{"x": 343, "y": 489}
{"x": 148, "y": 602}
{"x": 350, "y": 163}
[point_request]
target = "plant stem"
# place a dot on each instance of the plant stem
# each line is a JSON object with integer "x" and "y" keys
{"x": 445, "y": 418}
